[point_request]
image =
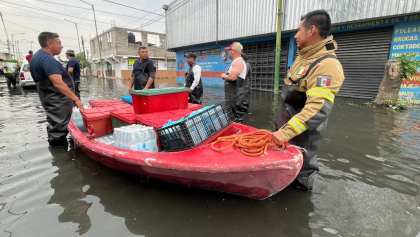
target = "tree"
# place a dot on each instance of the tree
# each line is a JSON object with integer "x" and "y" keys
{"x": 396, "y": 70}
{"x": 82, "y": 59}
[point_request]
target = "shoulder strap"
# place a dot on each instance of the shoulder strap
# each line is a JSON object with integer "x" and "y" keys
{"x": 316, "y": 62}
{"x": 312, "y": 65}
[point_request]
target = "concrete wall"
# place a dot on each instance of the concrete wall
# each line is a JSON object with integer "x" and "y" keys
{"x": 115, "y": 44}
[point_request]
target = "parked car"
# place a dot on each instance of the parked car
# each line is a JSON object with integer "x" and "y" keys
{"x": 25, "y": 77}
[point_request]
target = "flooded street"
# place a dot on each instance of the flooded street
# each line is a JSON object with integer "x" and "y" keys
{"x": 369, "y": 184}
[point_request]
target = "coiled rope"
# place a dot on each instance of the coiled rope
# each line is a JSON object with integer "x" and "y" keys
{"x": 250, "y": 144}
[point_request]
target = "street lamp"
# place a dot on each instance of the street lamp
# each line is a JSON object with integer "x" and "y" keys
{"x": 97, "y": 37}
{"x": 77, "y": 32}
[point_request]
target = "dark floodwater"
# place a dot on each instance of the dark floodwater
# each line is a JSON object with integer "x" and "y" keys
{"x": 369, "y": 185}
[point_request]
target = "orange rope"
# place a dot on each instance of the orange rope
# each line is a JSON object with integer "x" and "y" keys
{"x": 250, "y": 144}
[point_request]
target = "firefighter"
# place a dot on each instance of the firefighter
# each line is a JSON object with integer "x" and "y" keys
{"x": 237, "y": 89}
{"x": 309, "y": 91}
{"x": 193, "y": 79}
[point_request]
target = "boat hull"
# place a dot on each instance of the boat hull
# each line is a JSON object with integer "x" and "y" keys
{"x": 229, "y": 172}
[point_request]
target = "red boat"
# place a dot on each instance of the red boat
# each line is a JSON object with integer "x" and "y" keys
{"x": 201, "y": 167}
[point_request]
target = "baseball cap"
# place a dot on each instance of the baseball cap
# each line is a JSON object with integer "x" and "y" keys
{"x": 190, "y": 55}
{"x": 70, "y": 51}
{"x": 235, "y": 46}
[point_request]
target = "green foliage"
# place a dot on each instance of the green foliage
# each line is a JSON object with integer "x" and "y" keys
{"x": 82, "y": 59}
{"x": 408, "y": 66}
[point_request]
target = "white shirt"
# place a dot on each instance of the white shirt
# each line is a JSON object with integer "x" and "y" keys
{"x": 197, "y": 75}
{"x": 244, "y": 71}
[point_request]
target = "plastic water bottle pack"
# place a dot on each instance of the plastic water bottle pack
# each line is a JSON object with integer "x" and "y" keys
{"x": 77, "y": 118}
{"x": 136, "y": 137}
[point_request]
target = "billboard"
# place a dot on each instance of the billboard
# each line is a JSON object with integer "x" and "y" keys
{"x": 406, "y": 40}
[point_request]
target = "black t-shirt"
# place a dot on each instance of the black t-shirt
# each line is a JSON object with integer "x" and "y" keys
{"x": 142, "y": 71}
{"x": 74, "y": 63}
{"x": 43, "y": 65}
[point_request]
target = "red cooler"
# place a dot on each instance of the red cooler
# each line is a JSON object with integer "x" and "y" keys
{"x": 97, "y": 121}
{"x": 157, "y": 100}
{"x": 105, "y": 102}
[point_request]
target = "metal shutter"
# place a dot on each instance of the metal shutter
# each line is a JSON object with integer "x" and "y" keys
{"x": 261, "y": 57}
{"x": 363, "y": 56}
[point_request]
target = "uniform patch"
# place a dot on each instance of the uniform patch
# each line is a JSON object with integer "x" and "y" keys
{"x": 323, "y": 81}
{"x": 302, "y": 71}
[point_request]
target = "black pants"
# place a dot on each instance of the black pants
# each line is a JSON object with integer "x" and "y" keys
{"x": 58, "y": 109}
{"x": 237, "y": 95}
{"x": 11, "y": 81}
{"x": 309, "y": 141}
{"x": 76, "y": 88}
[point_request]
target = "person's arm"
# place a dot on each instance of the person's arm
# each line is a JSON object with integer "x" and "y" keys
{"x": 152, "y": 74}
{"x": 70, "y": 68}
{"x": 54, "y": 69}
{"x": 197, "y": 76}
{"x": 59, "y": 84}
{"x": 71, "y": 71}
{"x": 131, "y": 82}
{"x": 237, "y": 68}
{"x": 323, "y": 84}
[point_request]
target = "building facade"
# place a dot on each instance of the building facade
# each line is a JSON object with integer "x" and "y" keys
{"x": 120, "y": 51}
{"x": 368, "y": 33}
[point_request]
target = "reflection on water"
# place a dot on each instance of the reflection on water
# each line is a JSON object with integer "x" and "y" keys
{"x": 369, "y": 185}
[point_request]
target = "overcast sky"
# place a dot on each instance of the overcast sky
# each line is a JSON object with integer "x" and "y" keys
{"x": 26, "y": 18}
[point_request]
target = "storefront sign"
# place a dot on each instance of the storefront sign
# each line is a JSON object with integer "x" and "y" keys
{"x": 406, "y": 40}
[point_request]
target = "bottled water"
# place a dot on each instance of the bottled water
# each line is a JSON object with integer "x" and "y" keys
{"x": 136, "y": 137}
{"x": 77, "y": 118}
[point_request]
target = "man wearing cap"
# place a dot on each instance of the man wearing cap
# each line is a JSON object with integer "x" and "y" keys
{"x": 144, "y": 71}
{"x": 308, "y": 92}
{"x": 73, "y": 68}
{"x": 236, "y": 82}
{"x": 193, "y": 79}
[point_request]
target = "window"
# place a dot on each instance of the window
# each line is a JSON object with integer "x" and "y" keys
{"x": 153, "y": 40}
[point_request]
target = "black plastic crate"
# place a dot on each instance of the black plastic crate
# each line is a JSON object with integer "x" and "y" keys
{"x": 195, "y": 129}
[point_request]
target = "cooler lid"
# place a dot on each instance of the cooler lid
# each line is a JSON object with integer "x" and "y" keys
{"x": 159, "y": 91}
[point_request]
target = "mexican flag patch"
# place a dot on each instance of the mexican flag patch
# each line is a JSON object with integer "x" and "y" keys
{"x": 323, "y": 81}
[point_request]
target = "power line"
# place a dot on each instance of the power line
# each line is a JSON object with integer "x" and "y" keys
{"x": 135, "y": 8}
{"x": 35, "y": 30}
{"x": 88, "y": 9}
{"x": 45, "y": 10}
{"x": 151, "y": 22}
{"x": 43, "y": 17}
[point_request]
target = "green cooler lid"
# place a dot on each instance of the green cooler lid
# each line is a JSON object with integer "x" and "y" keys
{"x": 159, "y": 91}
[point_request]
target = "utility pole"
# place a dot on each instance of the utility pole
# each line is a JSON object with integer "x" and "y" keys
{"x": 97, "y": 37}
{"x": 165, "y": 8}
{"x": 83, "y": 47}
{"x": 85, "y": 57}
{"x": 77, "y": 32}
{"x": 13, "y": 48}
{"x": 279, "y": 23}
{"x": 5, "y": 32}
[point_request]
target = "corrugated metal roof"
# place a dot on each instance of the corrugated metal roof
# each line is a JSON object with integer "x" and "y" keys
{"x": 347, "y": 10}
{"x": 256, "y": 17}
{"x": 192, "y": 22}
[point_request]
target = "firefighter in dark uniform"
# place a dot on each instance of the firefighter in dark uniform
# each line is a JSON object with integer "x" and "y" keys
{"x": 144, "y": 71}
{"x": 237, "y": 90}
{"x": 309, "y": 91}
{"x": 193, "y": 79}
{"x": 55, "y": 87}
